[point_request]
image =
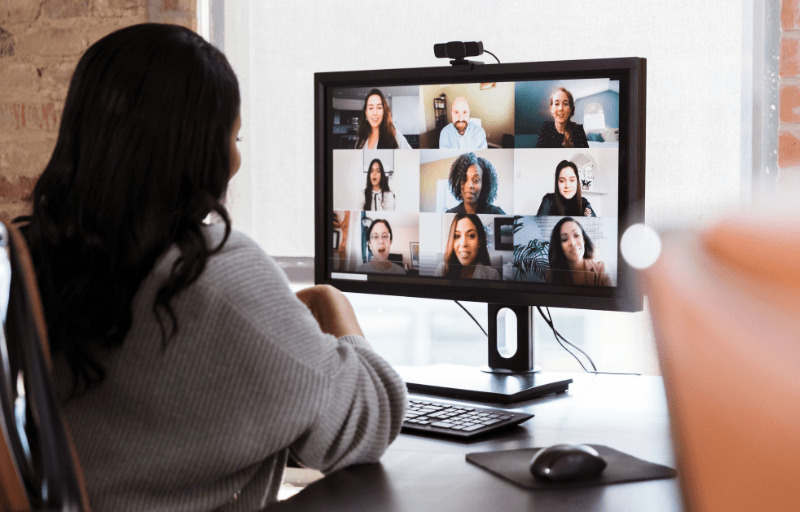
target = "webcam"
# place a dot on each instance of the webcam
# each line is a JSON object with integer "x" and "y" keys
{"x": 458, "y": 51}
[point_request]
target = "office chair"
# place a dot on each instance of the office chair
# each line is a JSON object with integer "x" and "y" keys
{"x": 725, "y": 305}
{"x": 38, "y": 465}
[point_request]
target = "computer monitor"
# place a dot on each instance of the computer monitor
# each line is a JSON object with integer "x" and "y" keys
{"x": 509, "y": 184}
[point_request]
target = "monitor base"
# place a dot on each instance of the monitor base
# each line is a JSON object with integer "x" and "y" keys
{"x": 505, "y": 371}
{"x": 470, "y": 383}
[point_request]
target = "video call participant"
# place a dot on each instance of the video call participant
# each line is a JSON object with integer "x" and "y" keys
{"x": 461, "y": 134}
{"x": 466, "y": 255}
{"x": 377, "y": 195}
{"x": 568, "y": 197}
{"x": 473, "y": 181}
{"x": 379, "y": 238}
{"x": 375, "y": 127}
{"x": 570, "y": 257}
{"x": 562, "y": 132}
{"x": 186, "y": 368}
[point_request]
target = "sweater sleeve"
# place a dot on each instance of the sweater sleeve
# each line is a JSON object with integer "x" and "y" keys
{"x": 338, "y": 402}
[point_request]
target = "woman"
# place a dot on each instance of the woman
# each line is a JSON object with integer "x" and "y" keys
{"x": 377, "y": 195}
{"x": 379, "y": 236}
{"x": 570, "y": 257}
{"x": 473, "y": 181}
{"x": 375, "y": 127}
{"x": 190, "y": 369}
{"x": 567, "y": 199}
{"x": 562, "y": 132}
{"x": 466, "y": 255}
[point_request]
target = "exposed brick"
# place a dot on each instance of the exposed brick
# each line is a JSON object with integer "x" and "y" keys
{"x": 56, "y": 9}
{"x": 118, "y": 8}
{"x": 790, "y": 15}
{"x": 30, "y": 116}
{"x": 19, "y": 10}
{"x": 15, "y": 190}
{"x": 790, "y": 104}
{"x": 177, "y": 18}
{"x": 790, "y": 57}
{"x": 788, "y": 148}
{"x": 97, "y": 32}
{"x": 17, "y": 75}
{"x": 49, "y": 41}
{"x": 26, "y": 158}
{"x": 6, "y": 44}
{"x": 9, "y": 212}
{"x": 55, "y": 77}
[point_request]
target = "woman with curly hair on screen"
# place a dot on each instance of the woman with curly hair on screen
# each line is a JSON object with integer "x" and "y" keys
{"x": 189, "y": 370}
{"x": 473, "y": 181}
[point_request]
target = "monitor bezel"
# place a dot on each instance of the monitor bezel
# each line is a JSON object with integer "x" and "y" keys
{"x": 624, "y": 297}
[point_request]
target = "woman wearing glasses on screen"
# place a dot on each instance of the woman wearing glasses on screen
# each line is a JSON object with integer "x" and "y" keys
{"x": 379, "y": 242}
{"x": 466, "y": 255}
{"x": 375, "y": 127}
{"x": 473, "y": 181}
{"x": 562, "y": 131}
{"x": 567, "y": 199}
{"x": 570, "y": 257}
{"x": 179, "y": 346}
{"x": 377, "y": 195}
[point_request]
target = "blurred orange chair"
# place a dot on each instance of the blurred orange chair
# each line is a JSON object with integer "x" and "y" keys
{"x": 38, "y": 466}
{"x": 725, "y": 304}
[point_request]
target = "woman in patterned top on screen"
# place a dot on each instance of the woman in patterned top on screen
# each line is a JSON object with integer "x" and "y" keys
{"x": 377, "y": 195}
{"x": 375, "y": 127}
{"x": 571, "y": 252}
{"x": 567, "y": 199}
{"x": 466, "y": 255}
{"x": 188, "y": 368}
{"x": 562, "y": 132}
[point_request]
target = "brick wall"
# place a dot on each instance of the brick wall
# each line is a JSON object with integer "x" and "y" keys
{"x": 40, "y": 44}
{"x": 789, "y": 129}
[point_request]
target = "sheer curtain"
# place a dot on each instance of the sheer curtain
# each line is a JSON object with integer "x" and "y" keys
{"x": 695, "y": 137}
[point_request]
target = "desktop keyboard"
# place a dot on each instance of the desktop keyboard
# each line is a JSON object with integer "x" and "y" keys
{"x": 428, "y": 416}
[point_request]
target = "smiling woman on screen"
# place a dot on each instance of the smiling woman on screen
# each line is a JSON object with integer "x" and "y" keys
{"x": 567, "y": 199}
{"x": 570, "y": 256}
{"x": 466, "y": 255}
{"x": 375, "y": 127}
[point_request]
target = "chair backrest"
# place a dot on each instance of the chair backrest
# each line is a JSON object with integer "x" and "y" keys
{"x": 39, "y": 467}
{"x": 725, "y": 305}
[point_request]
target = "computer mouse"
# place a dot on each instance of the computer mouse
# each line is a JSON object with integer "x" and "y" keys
{"x": 567, "y": 462}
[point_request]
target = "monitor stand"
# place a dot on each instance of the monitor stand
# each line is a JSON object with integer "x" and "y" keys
{"x": 509, "y": 378}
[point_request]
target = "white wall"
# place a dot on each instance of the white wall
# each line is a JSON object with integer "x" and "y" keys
{"x": 694, "y": 52}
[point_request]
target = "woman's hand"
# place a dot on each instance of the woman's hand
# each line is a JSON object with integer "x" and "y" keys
{"x": 331, "y": 309}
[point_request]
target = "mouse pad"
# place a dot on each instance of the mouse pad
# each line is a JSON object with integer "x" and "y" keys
{"x": 514, "y": 465}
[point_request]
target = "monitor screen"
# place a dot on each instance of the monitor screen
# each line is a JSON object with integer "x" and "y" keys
{"x": 502, "y": 183}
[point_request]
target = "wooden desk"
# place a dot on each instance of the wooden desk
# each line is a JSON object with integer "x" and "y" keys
{"x": 417, "y": 473}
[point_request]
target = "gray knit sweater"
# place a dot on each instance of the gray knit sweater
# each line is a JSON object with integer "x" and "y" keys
{"x": 207, "y": 422}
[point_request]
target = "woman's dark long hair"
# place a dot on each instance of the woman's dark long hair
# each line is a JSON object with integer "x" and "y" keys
{"x": 566, "y": 206}
{"x": 453, "y": 267}
{"x": 143, "y": 155}
{"x": 559, "y": 267}
{"x": 458, "y": 175}
{"x": 387, "y": 133}
{"x": 569, "y": 131}
{"x": 368, "y": 189}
